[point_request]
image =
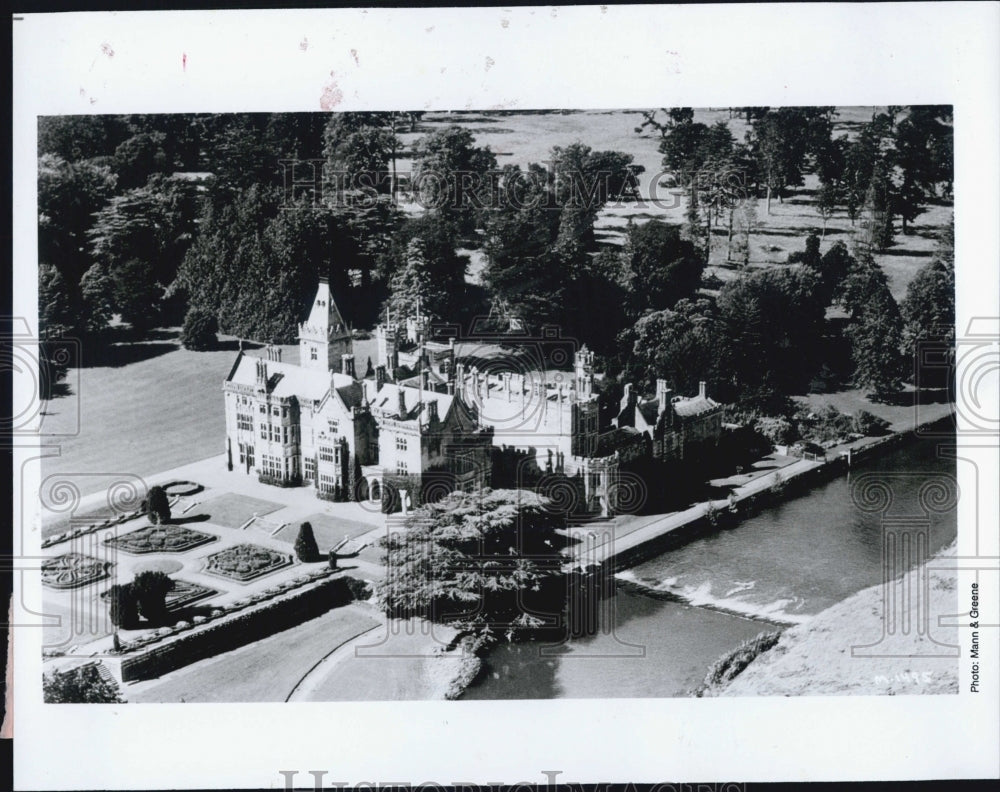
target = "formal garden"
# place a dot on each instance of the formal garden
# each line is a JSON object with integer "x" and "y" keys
{"x": 244, "y": 562}
{"x": 160, "y": 539}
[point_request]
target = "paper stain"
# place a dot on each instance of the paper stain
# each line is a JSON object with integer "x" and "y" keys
{"x": 354, "y": 54}
{"x": 304, "y": 44}
{"x": 184, "y": 61}
{"x": 332, "y": 95}
{"x": 505, "y": 23}
{"x": 489, "y": 62}
{"x": 107, "y": 50}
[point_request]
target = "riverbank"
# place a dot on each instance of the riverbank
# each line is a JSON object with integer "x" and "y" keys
{"x": 845, "y": 648}
{"x": 619, "y": 543}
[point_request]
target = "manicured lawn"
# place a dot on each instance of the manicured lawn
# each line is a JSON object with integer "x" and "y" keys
{"x": 232, "y": 511}
{"x": 151, "y": 407}
{"x": 68, "y": 521}
{"x": 266, "y": 670}
{"x": 329, "y": 531}
{"x": 901, "y": 417}
{"x": 398, "y": 666}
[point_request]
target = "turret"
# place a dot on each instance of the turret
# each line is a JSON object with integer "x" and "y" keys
{"x": 324, "y": 337}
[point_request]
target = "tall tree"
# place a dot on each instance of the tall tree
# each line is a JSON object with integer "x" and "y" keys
{"x": 771, "y": 325}
{"x": 658, "y": 267}
{"x": 583, "y": 181}
{"x": 361, "y": 153}
{"x": 868, "y": 151}
{"x": 923, "y": 154}
{"x": 876, "y": 228}
{"x": 69, "y": 193}
{"x": 780, "y": 141}
{"x": 928, "y": 312}
{"x": 875, "y": 329}
{"x": 472, "y": 559}
{"x": 677, "y": 344}
{"x": 453, "y": 176}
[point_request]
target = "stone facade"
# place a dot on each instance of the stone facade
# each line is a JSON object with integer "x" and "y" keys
{"x": 673, "y": 425}
{"x": 440, "y": 425}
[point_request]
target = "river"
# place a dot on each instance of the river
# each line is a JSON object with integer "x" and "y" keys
{"x": 674, "y": 615}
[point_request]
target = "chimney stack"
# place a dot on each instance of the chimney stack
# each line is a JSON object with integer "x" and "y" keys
{"x": 347, "y": 365}
{"x": 663, "y": 393}
{"x": 701, "y": 389}
{"x": 425, "y": 379}
{"x": 628, "y": 396}
{"x": 432, "y": 411}
{"x": 379, "y": 377}
{"x": 402, "y": 401}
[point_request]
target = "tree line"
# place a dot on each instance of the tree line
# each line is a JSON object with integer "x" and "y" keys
{"x": 161, "y": 219}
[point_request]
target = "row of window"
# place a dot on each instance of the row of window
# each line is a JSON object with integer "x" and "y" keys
{"x": 244, "y": 422}
{"x": 279, "y": 434}
{"x": 327, "y": 454}
{"x": 279, "y": 467}
{"x": 246, "y": 455}
{"x": 277, "y": 412}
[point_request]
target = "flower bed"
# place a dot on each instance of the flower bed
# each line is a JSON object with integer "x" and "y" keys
{"x": 160, "y": 539}
{"x": 245, "y": 562}
{"x": 72, "y": 570}
{"x": 180, "y": 489}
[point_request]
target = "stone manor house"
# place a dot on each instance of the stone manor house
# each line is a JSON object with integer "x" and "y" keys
{"x": 320, "y": 424}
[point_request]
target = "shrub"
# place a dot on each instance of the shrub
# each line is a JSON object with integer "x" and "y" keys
{"x": 199, "y": 331}
{"x": 158, "y": 506}
{"x": 305, "y": 545}
{"x": 779, "y": 431}
{"x": 869, "y": 425}
{"x": 123, "y": 610}
{"x": 151, "y": 589}
{"x": 731, "y": 664}
{"x": 81, "y": 685}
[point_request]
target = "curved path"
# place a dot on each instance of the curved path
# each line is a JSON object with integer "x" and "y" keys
{"x": 315, "y": 676}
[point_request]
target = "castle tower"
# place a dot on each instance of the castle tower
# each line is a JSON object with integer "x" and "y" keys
{"x": 584, "y": 370}
{"x": 324, "y": 338}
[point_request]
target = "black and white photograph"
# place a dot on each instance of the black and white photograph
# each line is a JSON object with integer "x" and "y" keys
{"x": 471, "y": 406}
{"x": 446, "y": 401}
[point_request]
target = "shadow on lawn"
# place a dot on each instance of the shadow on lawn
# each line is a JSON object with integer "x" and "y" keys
{"x": 915, "y": 397}
{"x": 902, "y": 252}
{"x": 195, "y": 518}
{"x": 117, "y": 355}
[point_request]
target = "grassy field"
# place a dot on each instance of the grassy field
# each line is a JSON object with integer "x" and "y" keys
{"x": 328, "y": 530}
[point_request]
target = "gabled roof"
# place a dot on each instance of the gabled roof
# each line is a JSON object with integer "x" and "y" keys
{"x": 616, "y": 439}
{"x": 352, "y": 395}
{"x": 288, "y": 379}
{"x": 388, "y": 399}
{"x": 696, "y": 405}
{"x": 650, "y": 410}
